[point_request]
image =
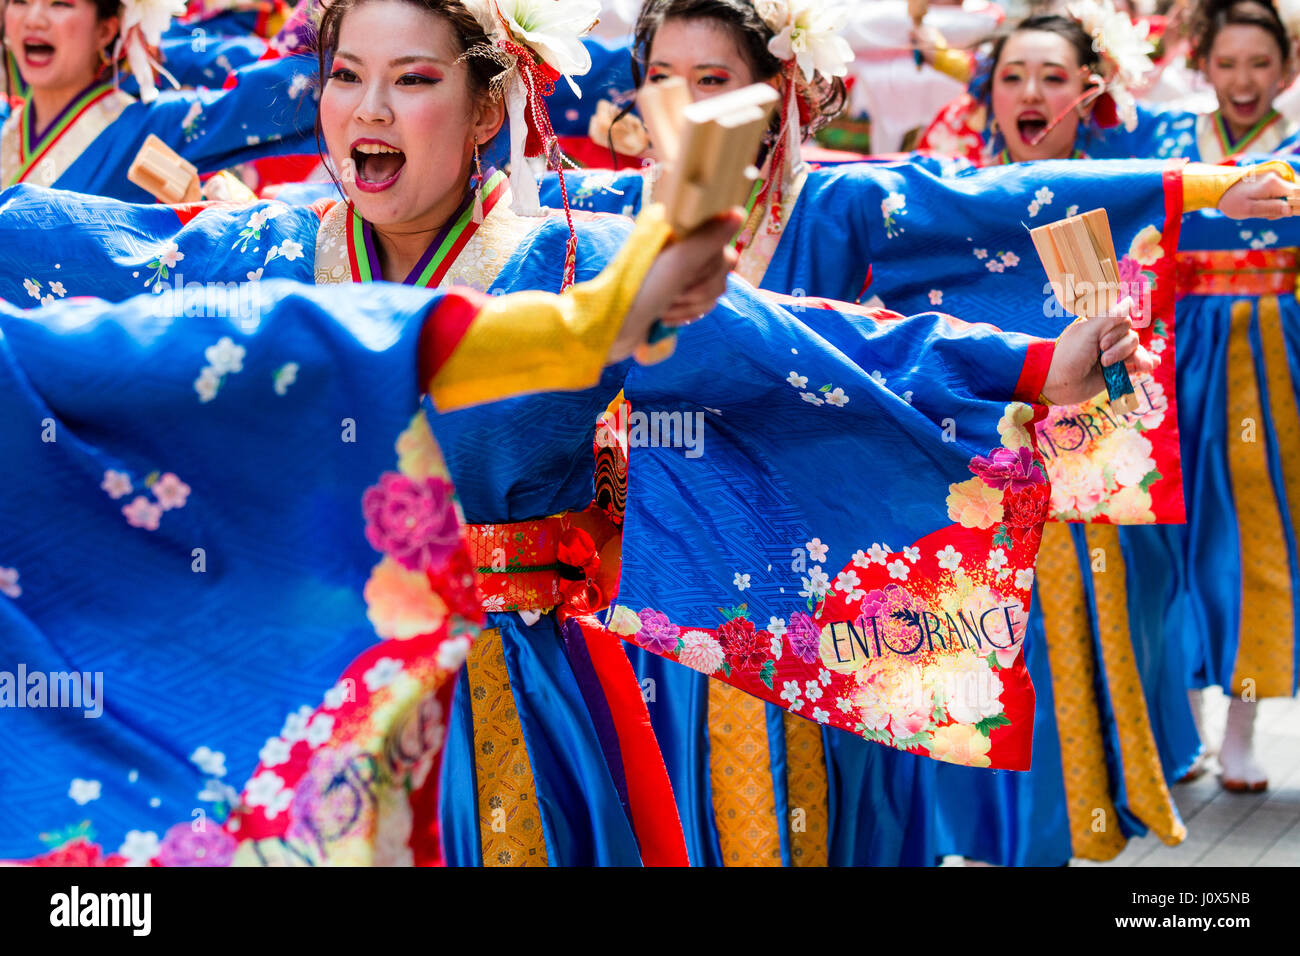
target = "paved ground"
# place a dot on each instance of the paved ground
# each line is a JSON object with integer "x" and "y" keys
{"x": 1227, "y": 829}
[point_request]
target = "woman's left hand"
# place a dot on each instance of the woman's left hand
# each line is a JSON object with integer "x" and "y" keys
{"x": 1085, "y": 347}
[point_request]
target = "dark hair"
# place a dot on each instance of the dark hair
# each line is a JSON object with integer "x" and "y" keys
{"x": 103, "y": 10}
{"x": 826, "y": 95}
{"x": 475, "y": 49}
{"x": 1068, "y": 29}
{"x": 1213, "y": 15}
{"x": 483, "y": 69}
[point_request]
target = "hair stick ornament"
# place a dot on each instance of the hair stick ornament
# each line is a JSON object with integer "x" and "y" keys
{"x": 706, "y": 152}
{"x": 1079, "y": 258}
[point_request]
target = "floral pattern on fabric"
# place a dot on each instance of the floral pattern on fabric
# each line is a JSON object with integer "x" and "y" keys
{"x": 918, "y": 649}
{"x": 354, "y": 780}
{"x": 1108, "y": 466}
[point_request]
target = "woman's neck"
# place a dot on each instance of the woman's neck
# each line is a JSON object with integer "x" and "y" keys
{"x": 1237, "y": 134}
{"x": 402, "y": 245}
{"x": 399, "y": 249}
{"x": 46, "y": 104}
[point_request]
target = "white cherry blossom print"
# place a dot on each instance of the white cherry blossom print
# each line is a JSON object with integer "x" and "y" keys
{"x": 225, "y": 357}
{"x": 139, "y": 847}
{"x": 83, "y": 791}
{"x": 274, "y": 752}
{"x": 211, "y": 762}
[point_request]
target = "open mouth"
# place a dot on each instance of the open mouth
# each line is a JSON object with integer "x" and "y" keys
{"x": 1032, "y": 127}
{"x": 37, "y": 53}
{"x": 1245, "y": 105}
{"x": 377, "y": 165}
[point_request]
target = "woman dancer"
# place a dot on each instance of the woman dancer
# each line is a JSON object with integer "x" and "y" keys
{"x": 76, "y": 130}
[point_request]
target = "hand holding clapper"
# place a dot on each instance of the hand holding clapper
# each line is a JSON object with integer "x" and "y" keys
{"x": 706, "y": 155}
{"x": 1079, "y": 257}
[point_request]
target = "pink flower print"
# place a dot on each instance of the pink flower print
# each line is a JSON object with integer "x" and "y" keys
{"x": 142, "y": 513}
{"x": 1008, "y": 468}
{"x": 701, "y": 651}
{"x": 657, "y": 633}
{"x": 170, "y": 492}
{"x": 182, "y": 845}
{"x": 9, "y": 583}
{"x": 116, "y": 483}
{"x": 890, "y": 613}
{"x": 1077, "y": 485}
{"x": 804, "y": 637}
{"x": 413, "y": 521}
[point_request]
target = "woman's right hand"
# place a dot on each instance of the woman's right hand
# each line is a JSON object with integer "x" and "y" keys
{"x": 1259, "y": 197}
{"x": 684, "y": 283}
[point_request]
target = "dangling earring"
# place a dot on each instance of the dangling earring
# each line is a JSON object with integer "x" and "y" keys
{"x": 477, "y": 185}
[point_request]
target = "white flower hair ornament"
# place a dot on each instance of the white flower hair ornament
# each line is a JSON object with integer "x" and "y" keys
{"x": 539, "y": 41}
{"x": 1125, "y": 53}
{"x": 808, "y": 32}
{"x": 143, "y": 23}
{"x": 807, "y": 41}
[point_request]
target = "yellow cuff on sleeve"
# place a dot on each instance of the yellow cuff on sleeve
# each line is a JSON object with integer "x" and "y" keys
{"x": 954, "y": 63}
{"x": 541, "y": 342}
{"x": 1204, "y": 184}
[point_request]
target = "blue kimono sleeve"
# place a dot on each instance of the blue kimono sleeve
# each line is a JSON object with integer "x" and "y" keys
{"x": 204, "y": 58}
{"x": 961, "y": 243}
{"x": 56, "y": 244}
{"x": 270, "y": 110}
{"x": 187, "y": 659}
{"x": 609, "y": 78}
{"x": 781, "y": 451}
{"x": 595, "y": 190}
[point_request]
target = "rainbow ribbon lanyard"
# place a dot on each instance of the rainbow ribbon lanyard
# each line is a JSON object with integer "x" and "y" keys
{"x": 442, "y": 251}
{"x": 32, "y": 151}
{"x": 1230, "y": 149}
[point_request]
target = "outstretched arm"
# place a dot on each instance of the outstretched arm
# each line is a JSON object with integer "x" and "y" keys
{"x": 479, "y": 348}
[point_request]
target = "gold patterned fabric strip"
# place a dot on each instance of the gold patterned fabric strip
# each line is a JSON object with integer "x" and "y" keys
{"x": 1093, "y": 835}
{"x": 510, "y": 824}
{"x": 809, "y": 791}
{"x": 740, "y": 772}
{"x": 1144, "y": 779}
{"x": 1266, "y": 637}
{"x": 76, "y": 139}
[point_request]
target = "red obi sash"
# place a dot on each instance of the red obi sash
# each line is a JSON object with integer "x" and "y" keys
{"x": 537, "y": 565}
{"x": 1247, "y": 272}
